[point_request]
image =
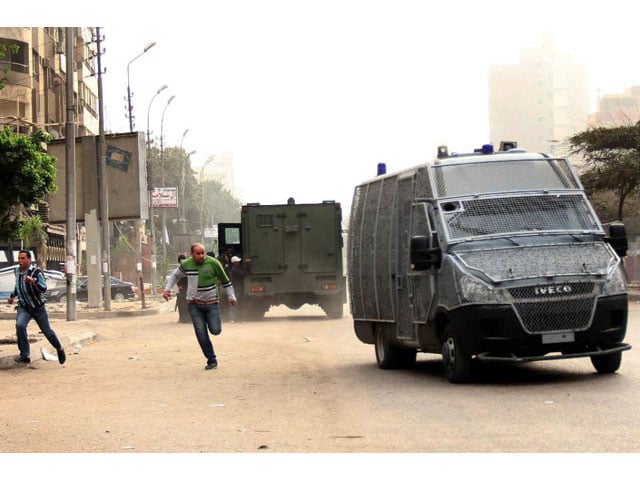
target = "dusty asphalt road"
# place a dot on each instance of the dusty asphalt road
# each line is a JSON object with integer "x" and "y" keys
{"x": 297, "y": 382}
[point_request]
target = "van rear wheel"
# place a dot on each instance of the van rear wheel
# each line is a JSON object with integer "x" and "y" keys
{"x": 390, "y": 356}
{"x": 608, "y": 363}
{"x": 457, "y": 362}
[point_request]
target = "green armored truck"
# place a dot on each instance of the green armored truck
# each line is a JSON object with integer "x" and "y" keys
{"x": 294, "y": 253}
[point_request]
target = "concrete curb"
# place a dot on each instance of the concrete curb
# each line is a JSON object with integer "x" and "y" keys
{"x": 92, "y": 315}
{"x": 78, "y": 338}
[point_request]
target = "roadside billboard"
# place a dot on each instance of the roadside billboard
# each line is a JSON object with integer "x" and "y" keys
{"x": 126, "y": 177}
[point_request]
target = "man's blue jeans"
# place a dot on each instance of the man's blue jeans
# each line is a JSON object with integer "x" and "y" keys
{"x": 41, "y": 316}
{"x": 206, "y": 318}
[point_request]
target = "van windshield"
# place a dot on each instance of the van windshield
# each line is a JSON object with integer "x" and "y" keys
{"x": 502, "y": 175}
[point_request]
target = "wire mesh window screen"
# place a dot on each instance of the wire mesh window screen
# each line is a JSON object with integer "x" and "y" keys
{"x": 514, "y": 214}
{"x": 503, "y": 176}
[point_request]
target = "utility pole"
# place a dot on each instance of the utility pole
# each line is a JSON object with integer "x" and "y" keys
{"x": 103, "y": 188}
{"x": 70, "y": 164}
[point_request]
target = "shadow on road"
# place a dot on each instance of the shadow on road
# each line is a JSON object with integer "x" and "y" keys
{"x": 430, "y": 369}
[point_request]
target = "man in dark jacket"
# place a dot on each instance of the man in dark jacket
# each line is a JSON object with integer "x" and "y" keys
{"x": 29, "y": 289}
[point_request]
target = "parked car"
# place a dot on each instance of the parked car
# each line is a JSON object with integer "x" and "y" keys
{"x": 120, "y": 290}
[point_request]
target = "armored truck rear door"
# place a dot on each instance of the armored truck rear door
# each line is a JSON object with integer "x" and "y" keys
{"x": 265, "y": 239}
{"x": 318, "y": 231}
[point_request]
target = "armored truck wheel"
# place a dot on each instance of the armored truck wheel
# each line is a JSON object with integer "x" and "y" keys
{"x": 390, "y": 356}
{"x": 608, "y": 363}
{"x": 333, "y": 308}
{"x": 255, "y": 309}
{"x": 457, "y": 362}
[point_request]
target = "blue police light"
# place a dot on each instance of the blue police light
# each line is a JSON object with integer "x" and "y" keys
{"x": 382, "y": 168}
{"x": 487, "y": 149}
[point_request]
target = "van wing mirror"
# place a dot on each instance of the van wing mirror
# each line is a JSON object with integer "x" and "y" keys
{"x": 422, "y": 255}
{"x": 616, "y": 236}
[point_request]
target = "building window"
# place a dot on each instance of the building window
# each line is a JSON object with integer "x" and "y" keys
{"x": 36, "y": 66}
{"x": 17, "y": 59}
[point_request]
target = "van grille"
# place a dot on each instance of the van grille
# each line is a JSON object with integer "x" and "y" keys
{"x": 555, "y": 312}
{"x": 556, "y": 316}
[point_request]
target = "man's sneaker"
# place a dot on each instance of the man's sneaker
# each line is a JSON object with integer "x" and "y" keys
{"x": 62, "y": 357}
{"x": 23, "y": 360}
{"x": 211, "y": 366}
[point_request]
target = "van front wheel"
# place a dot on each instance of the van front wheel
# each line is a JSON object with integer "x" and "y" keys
{"x": 608, "y": 363}
{"x": 457, "y": 362}
{"x": 388, "y": 355}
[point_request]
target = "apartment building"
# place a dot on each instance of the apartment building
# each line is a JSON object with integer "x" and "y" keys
{"x": 35, "y": 80}
{"x": 34, "y": 76}
{"x": 539, "y": 102}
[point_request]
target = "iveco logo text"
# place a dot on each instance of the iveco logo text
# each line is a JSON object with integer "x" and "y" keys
{"x": 552, "y": 290}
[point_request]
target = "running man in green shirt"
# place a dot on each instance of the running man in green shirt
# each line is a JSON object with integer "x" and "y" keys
{"x": 202, "y": 273}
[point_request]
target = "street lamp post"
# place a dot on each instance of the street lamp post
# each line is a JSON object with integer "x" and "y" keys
{"x": 150, "y": 187}
{"x": 129, "y": 107}
{"x": 138, "y": 222}
{"x": 164, "y": 212}
{"x": 183, "y": 135}
{"x": 209, "y": 160}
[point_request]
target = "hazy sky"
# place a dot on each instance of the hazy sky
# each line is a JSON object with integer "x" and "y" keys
{"x": 308, "y": 96}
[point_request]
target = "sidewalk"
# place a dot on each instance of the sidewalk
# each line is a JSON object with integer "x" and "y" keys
{"x": 71, "y": 333}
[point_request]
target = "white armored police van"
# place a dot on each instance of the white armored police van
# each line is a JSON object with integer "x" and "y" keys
{"x": 488, "y": 256}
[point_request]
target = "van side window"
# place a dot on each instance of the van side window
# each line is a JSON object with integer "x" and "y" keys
{"x": 420, "y": 224}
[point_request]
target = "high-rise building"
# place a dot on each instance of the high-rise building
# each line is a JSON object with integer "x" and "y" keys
{"x": 35, "y": 80}
{"x": 617, "y": 110}
{"x": 220, "y": 168}
{"x": 539, "y": 102}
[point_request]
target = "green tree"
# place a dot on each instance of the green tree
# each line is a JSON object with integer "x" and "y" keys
{"x": 611, "y": 163}
{"x": 29, "y": 175}
{"x": 217, "y": 204}
{"x": 32, "y": 231}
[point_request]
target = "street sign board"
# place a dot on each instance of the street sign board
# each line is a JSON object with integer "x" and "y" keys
{"x": 164, "y": 197}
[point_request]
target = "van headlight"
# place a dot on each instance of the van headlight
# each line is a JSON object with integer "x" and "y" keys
{"x": 616, "y": 284}
{"x": 474, "y": 290}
